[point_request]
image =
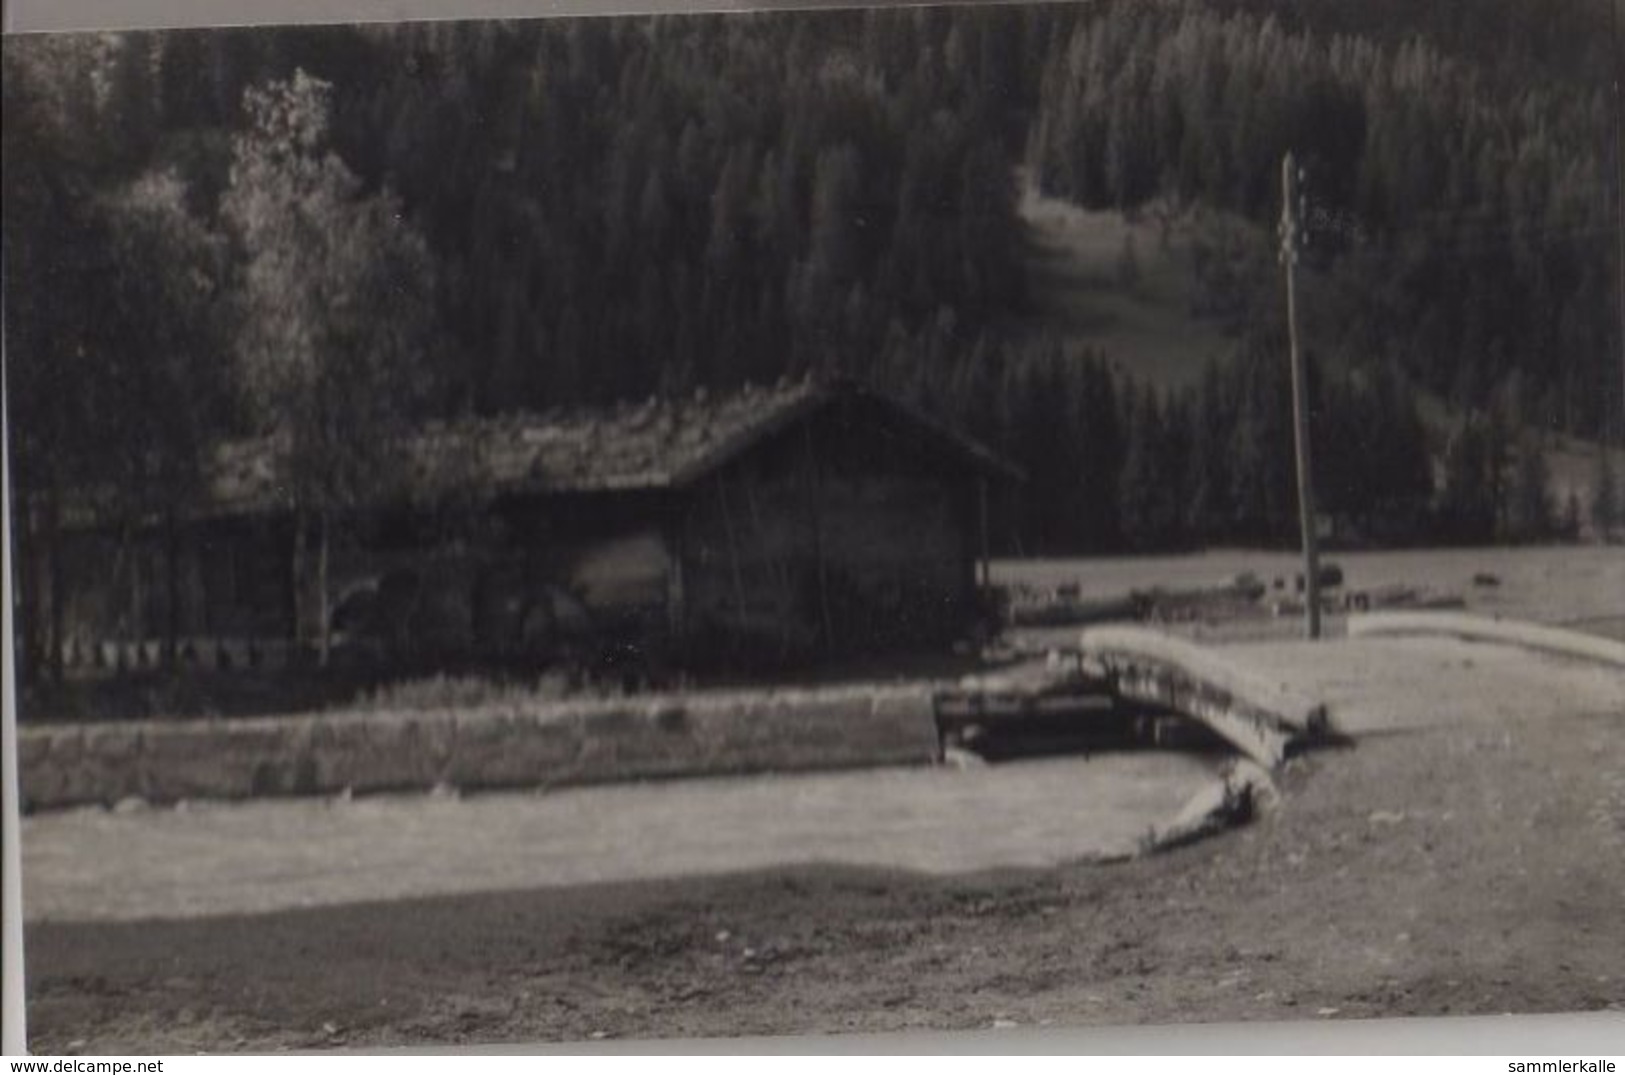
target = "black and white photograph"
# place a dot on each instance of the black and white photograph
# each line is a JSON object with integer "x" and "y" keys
{"x": 973, "y": 517}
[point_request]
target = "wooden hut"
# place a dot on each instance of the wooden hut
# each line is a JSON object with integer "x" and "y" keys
{"x": 770, "y": 524}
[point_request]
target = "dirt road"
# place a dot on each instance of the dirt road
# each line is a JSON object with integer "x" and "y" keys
{"x": 1375, "y": 685}
{"x": 1463, "y": 865}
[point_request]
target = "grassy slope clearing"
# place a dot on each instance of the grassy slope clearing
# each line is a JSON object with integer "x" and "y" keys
{"x": 1146, "y": 321}
{"x": 1082, "y": 296}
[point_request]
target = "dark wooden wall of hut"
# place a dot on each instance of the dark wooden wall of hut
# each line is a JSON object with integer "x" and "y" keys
{"x": 837, "y": 535}
{"x": 207, "y": 580}
{"x": 852, "y": 529}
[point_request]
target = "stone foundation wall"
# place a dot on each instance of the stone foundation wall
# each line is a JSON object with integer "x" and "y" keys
{"x": 490, "y": 747}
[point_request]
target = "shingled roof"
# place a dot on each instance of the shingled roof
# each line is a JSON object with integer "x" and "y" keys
{"x": 660, "y": 443}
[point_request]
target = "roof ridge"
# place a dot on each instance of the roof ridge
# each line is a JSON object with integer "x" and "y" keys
{"x": 648, "y": 442}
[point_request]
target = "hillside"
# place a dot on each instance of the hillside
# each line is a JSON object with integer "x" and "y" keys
{"x": 1461, "y": 218}
{"x": 1082, "y": 293}
{"x": 1147, "y": 321}
{"x": 655, "y": 206}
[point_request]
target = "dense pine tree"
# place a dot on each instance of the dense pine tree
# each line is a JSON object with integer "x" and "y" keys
{"x": 599, "y": 209}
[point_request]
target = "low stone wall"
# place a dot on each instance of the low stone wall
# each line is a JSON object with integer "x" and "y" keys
{"x": 490, "y": 747}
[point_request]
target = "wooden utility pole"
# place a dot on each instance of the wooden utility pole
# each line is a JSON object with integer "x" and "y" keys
{"x": 1300, "y": 398}
{"x": 1619, "y": 218}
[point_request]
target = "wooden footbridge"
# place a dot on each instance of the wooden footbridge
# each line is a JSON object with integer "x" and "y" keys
{"x": 1127, "y": 687}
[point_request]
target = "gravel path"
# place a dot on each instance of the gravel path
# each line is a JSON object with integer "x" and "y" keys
{"x": 1386, "y": 684}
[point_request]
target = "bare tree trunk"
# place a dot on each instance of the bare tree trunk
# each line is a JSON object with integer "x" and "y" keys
{"x": 298, "y": 580}
{"x": 324, "y": 634}
{"x": 172, "y": 585}
{"x": 55, "y": 580}
{"x": 136, "y": 620}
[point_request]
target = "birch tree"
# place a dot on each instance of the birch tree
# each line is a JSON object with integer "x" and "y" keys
{"x": 336, "y": 321}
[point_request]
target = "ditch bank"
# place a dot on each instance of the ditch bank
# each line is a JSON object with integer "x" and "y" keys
{"x": 1557, "y": 641}
{"x": 505, "y": 746}
{"x": 715, "y": 733}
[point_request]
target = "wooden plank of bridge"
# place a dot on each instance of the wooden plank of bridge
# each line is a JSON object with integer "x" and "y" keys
{"x": 1033, "y": 688}
{"x": 1262, "y": 718}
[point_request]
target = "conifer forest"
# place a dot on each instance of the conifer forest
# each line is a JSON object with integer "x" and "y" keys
{"x": 217, "y": 233}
